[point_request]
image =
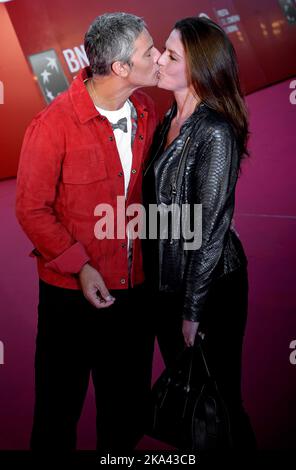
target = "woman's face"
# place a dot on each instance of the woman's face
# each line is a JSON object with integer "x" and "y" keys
{"x": 172, "y": 64}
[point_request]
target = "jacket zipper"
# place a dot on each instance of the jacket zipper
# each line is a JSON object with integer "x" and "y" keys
{"x": 161, "y": 142}
{"x": 174, "y": 186}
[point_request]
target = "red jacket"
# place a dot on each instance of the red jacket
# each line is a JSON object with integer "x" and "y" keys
{"x": 69, "y": 164}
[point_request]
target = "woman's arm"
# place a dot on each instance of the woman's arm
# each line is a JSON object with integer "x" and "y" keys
{"x": 215, "y": 184}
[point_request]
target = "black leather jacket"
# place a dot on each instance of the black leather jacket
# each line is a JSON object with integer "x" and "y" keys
{"x": 200, "y": 166}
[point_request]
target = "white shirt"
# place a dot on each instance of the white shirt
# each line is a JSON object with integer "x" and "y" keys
{"x": 123, "y": 139}
{"x": 124, "y": 147}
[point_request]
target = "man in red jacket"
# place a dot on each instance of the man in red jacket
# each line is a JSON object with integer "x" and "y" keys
{"x": 88, "y": 148}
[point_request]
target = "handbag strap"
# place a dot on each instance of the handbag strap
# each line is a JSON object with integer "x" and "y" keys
{"x": 209, "y": 375}
{"x": 190, "y": 350}
{"x": 177, "y": 365}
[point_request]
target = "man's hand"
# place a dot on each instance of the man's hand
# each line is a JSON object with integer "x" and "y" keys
{"x": 94, "y": 288}
{"x": 189, "y": 330}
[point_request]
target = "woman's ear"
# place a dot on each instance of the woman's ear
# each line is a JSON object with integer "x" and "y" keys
{"x": 120, "y": 69}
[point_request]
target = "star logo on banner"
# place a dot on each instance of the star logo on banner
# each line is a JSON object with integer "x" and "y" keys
{"x": 49, "y": 94}
{"x": 45, "y": 74}
{"x": 52, "y": 63}
{"x": 49, "y": 73}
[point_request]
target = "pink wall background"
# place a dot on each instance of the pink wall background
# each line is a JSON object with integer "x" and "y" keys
{"x": 21, "y": 102}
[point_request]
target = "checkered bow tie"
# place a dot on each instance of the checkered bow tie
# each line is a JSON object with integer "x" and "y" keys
{"x": 121, "y": 124}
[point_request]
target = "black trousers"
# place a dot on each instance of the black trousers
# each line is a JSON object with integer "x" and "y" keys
{"x": 223, "y": 322}
{"x": 75, "y": 339}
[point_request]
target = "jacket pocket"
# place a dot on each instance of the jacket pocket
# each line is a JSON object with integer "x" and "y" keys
{"x": 84, "y": 174}
{"x": 165, "y": 200}
{"x": 85, "y": 185}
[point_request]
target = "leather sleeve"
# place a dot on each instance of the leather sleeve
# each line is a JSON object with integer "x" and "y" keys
{"x": 214, "y": 189}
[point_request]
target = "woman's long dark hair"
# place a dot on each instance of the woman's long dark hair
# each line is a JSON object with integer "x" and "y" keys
{"x": 213, "y": 72}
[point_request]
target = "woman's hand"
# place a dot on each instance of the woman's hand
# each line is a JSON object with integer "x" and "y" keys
{"x": 189, "y": 330}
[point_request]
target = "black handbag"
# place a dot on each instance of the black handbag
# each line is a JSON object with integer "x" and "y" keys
{"x": 187, "y": 410}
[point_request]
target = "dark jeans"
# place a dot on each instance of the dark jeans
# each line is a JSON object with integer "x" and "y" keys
{"x": 75, "y": 339}
{"x": 223, "y": 323}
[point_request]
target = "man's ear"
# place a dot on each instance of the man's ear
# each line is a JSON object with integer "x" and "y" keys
{"x": 120, "y": 69}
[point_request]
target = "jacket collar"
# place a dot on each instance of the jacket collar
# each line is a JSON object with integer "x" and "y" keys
{"x": 171, "y": 113}
{"x": 164, "y": 128}
{"x": 82, "y": 102}
{"x": 200, "y": 108}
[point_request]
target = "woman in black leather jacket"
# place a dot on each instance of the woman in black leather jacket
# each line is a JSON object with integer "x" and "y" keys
{"x": 195, "y": 160}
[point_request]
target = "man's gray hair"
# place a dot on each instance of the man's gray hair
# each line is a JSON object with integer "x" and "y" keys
{"x": 111, "y": 37}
